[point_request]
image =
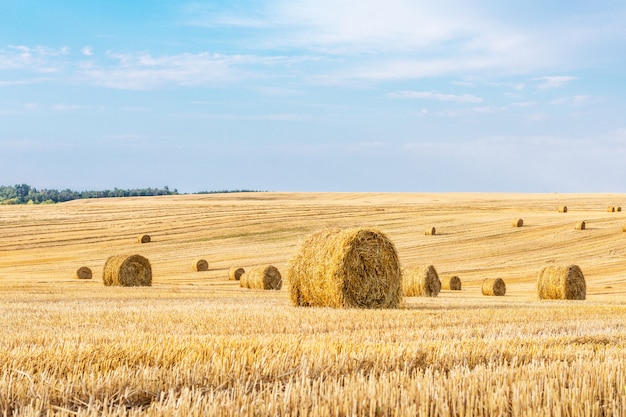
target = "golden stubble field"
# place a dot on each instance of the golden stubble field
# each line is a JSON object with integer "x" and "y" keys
{"x": 195, "y": 343}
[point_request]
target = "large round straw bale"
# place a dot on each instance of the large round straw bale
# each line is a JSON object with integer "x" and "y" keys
{"x": 346, "y": 268}
{"x": 143, "y": 238}
{"x": 430, "y": 231}
{"x": 580, "y": 225}
{"x": 235, "y": 273}
{"x": 518, "y": 223}
{"x": 127, "y": 271}
{"x": 494, "y": 287}
{"x": 422, "y": 281}
{"x": 451, "y": 283}
{"x": 262, "y": 277}
{"x": 83, "y": 273}
{"x": 558, "y": 282}
{"x": 200, "y": 265}
{"x": 563, "y": 209}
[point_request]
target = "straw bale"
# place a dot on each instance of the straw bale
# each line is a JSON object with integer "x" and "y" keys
{"x": 560, "y": 282}
{"x": 430, "y": 231}
{"x": 580, "y": 225}
{"x": 345, "y": 268}
{"x": 618, "y": 208}
{"x": 235, "y": 273}
{"x": 200, "y": 265}
{"x": 143, "y": 239}
{"x": 611, "y": 209}
{"x": 518, "y": 223}
{"x": 262, "y": 277}
{"x": 127, "y": 271}
{"x": 563, "y": 209}
{"x": 421, "y": 281}
{"x": 494, "y": 287}
{"x": 451, "y": 283}
{"x": 83, "y": 273}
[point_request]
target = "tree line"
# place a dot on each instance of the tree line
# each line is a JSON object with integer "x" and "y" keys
{"x": 25, "y": 194}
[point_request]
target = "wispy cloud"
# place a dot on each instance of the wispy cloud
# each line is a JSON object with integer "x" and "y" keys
{"x": 577, "y": 100}
{"x": 427, "y": 95}
{"x": 555, "y": 81}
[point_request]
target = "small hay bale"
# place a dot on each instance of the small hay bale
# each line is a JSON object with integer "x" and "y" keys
{"x": 611, "y": 209}
{"x": 262, "y": 277}
{"x": 421, "y": 282}
{"x": 563, "y": 209}
{"x": 235, "y": 273}
{"x": 143, "y": 239}
{"x": 624, "y": 228}
{"x": 451, "y": 283}
{"x": 430, "y": 231}
{"x": 580, "y": 225}
{"x": 83, "y": 273}
{"x": 518, "y": 223}
{"x": 558, "y": 282}
{"x": 495, "y": 287}
{"x": 618, "y": 209}
{"x": 200, "y": 265}
{"x": 127, "y": 271}
{"x": 346, "y": 268}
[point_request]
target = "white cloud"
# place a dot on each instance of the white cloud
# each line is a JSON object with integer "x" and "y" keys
{"x": 577, "y": 100}
{"x": 556, "y": 81}
{"x": 427, "y": 95}
{"x": 87, "y": 51}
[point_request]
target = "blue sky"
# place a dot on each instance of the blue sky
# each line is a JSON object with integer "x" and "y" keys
{"x": 314, "y": 95}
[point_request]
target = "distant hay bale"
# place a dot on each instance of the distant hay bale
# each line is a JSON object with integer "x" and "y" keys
{"x": 611, "y": 209}
{"x": 83, "y": 273}
{"x": 346, "y": 268}
{"x": 495, "y": 287}
{"x": 200, "y": 265}
{"x": 451, "y": 283}
{"x": 143, "y": 239}
{"x": 421, "y": 282}
{"x": 518, "y": 223}
{"x": 618, "y": 208}
{"x": 127, "y": 271}
{"x": 430, "y": 231}
{"x": 580, "y": 225}
{"x": 563, "y": 209}
{"x": 558, "y": 282}
{"x": 235, "y": 273}
{"x": 262, "y": 277}
{"x": 624, "y": 228}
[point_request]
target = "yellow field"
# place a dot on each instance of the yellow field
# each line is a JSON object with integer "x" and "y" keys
{"x": 197, "y": 344}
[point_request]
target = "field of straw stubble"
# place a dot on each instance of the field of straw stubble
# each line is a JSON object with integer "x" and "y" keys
{"x": 196, "y": 343}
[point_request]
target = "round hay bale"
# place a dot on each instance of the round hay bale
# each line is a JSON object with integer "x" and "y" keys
{"x": 624, "y": 228}
{"x": 200, "y": 265}
{"x": 127, "y": 271}
{"x": 234, "y": 273}
{"x": 494, "y": 287}
{"x": 580, "y": 225}
{"x": 420, "y": 282}
{"x": 345, "y": 268}
{"x": 451, "y": 283}
{"x": 430, "y": 231}
{"x": 83, "y": 273}
{"x": 143, "y": 239}
{"x": 618, "y": 208}
{"x": 563, "y": 209}
{"x": 262, "y": 277}
{"x": 558, "y": 282}
{"x": 518, "y": 223}
{"x": 610, "y": 209}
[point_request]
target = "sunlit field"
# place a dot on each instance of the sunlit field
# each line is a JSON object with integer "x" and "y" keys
{"x": 195, "y": 343}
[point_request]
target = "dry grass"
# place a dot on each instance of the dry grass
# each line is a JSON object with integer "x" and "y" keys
{"x": 559, "y": 282}
{"x": 345, "y": 268}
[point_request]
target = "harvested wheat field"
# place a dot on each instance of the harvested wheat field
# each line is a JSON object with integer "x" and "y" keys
{"x": 197, "y": 344}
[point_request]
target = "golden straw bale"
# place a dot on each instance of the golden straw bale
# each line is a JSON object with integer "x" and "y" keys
{"x": 563, "y": 209}
{"x": 518, "y": 223}
{"x": 143, "y": 239}
{"x": 83, "y": 273}
{"x": 200, "y": 265}
{"x": 422, "y": 281}
{"x": 262, "y": 277}
{"x": 580, "y": 225}
{"x": 345, "y": 268}
{"x": 610, "y": 209}
{"x": 618, "y": 208}
{"x": 127, "y": 271}
{"x": 430, "y": 231}
{"x": 494, "y": 287}
{"x": 235, "y": 273}
{"x": 624, "y": 228}
{"x": 558, "y": 282}
{"x": 451, "y": 283}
